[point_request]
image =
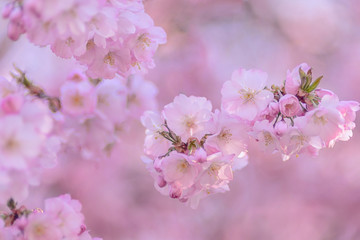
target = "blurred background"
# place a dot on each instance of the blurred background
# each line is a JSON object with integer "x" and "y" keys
{"x": 304, "y": 198}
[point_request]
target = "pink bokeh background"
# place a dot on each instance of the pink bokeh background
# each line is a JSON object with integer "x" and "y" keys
{"x": 304, "y": 198}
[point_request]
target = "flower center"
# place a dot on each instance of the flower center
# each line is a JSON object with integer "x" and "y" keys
{"x": 78, "y": 100}
{"x": 69, "y": 41}
{"x": 247, "y": 95}
{"x": 144, "y": 41}
{"x": 90, "y": 44}
{"x": 214, "y": 169}
{"x": 268, "y": 139}
{"x": 288, "y": 107}
{"x": 190, "y": 124}
{"x": 109, "y": 59}
{"x": 182, "y": 165}
{"x": 39, "y": 230}
{"x": 320, "y": 120}
{"x": 11, "y": 144}
{"x": 225, "y": 135}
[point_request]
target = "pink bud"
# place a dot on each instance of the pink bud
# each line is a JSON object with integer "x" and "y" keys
{"x": 14, "y": 31}
{"x": 16, "y": 14}
{"x": 273, "y": 110}
{"x": 82, "y": 229}
{"x": 157, "y": 165}
{"x": 7, "y": 10}
{"x": 161, "y": 181}
{"x": 175, "y": 191}
{"x": 289, "y": 105}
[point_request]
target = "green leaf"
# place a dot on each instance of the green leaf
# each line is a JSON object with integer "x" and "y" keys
{"x": 308, "y": 81}
{"x": 302, "y": 77}
{"x": 11, "y": 204}
{"x": 315, "y": 84}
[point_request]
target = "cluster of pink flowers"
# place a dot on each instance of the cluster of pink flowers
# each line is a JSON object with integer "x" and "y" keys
{"x": 26, "y": 141}
{"x": 84, "y": 122}
{"x": 94, "y": 114}
{"x": 192, "y": 151}
{"x": 296, "y": 117}
{"x": 61, "y": 219}
{"x": 108, "y": 36}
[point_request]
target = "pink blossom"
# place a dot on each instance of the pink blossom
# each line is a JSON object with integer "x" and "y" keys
{"x": 144, "y": 45}
{"x": 112, "y": 100}
{"x": 18, "y": 142}
{"x": 323, "y": 92}
{"x": 90, "y": 137}
{"x": 244, "y": 95}
{"x": 110, "y": 38}
{"x": 177, "y": 168}
{"x": 230, "y": 136}
{"x": 61, "y": 219}
{"x": 289, "y": 105}
{"x": 78, "y": 98}
{"x": 271, "y": 112}
{"x": 106, "y": 62}
{"x": 42, "y": 227}
{"x": 265, "y": 134}
{"x": 188, "y": 165}
{"x": 67, "y": 214}
{"x": 325, "y": 123}
{"x": 188, "y": 116}
{"x": 348, "y": 111}
{"x": 141, "y": 95}
{"x": 155, "y": 145}
{"x": 293, "y": 81}
{"x": 218, "y": 172}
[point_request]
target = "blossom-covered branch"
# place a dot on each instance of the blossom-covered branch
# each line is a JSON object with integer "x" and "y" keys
{"x": 293, "y": 118}
{"x": 108, "y": 37}
{"x": 84, "y": 122}
{"x": 192, "y": 152}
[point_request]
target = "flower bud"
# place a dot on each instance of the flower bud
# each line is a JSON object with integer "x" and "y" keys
{"x": 175, "y": 191}
{"x": 289, "y": 105}
{"x": 7, "y": 10}
{"x": 161, "y": 181}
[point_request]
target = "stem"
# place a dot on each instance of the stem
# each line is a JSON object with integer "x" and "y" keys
{"x": 277, "y": 118}
{"x": 168, "y": 153}
{"x": 292, "y": 121}
{"x": 303, "y": 108}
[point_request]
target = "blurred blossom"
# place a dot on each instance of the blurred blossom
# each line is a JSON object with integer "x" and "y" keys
{"x": 303, "y": 198}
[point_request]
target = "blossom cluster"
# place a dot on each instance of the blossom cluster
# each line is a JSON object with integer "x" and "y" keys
{"x": 192, "y": 151}
{"x": 85, "y": 121}
{"x": 293, "y": 118}
{"x": 108, "y": 36}
{"x": 27, "y": 145}
{"x": 95, "y": 113}
{"x": 60, "y": 219}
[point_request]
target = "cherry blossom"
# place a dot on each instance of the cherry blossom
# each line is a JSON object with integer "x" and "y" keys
{"x": 244, "y": 96}
{"x": 60, "y": 219}
{"x": 299, "y": 118}
{"x": 24, "y": 145}
{"x": 108, "y": 37}
{"x": 191, "y": 151}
